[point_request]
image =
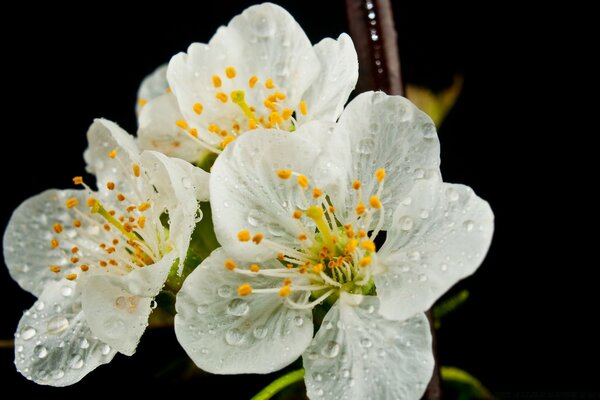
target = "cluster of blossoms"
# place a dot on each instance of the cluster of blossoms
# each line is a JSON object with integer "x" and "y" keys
{"x": 315, "y": 206}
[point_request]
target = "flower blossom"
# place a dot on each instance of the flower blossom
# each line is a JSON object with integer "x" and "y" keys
{"x": 96, "y": 259}
{"x": 299, "y": 217}
{"x": 259, "y": 71}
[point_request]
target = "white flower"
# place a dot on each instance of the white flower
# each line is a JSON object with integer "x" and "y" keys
{"x": 297, "y": 216}
{"x": 96, "y": 260}
{"x": 259, "y": 71}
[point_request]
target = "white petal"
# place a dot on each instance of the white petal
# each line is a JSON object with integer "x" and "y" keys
{"x": 53, "y": 344}
{"x": 175, "y": 191}
{"x": 380, "y": 131}
{"x": 198, "y": 176}
{"x": 103, "y": 137}
{"x": 158, "y": 130}
{"x": 27, "y": 251}
{"x": 326, "y": 97}
{"x": 117, "y": 308}
{"x": 246, "y": 193}
{"x": 224, "y": 333}
{"x": 436, "y": 239}
{"x": 358, "y": 354}
{"x": 264, "y": 41}
{"x": 154, "y": 85}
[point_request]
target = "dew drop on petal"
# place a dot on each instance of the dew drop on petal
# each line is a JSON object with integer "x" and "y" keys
{"x": 298, "y": 320}
{"x": 444, "y": 267}
{"x": 328, "y": 325}
{"x": 105, "y": 349}
{"x": 468, "y": 225}
{"x": 317, "y": 377}
{"x": 452, "y": 194}
{"x": 365, "y": 146}
{"x": 331, "y": 349}
{"x": 40, "y": 351}
{"x": 237, "y": 307}
{"x": 345, "y": 373}
{"x": 57, "y": 374}
{"x": 224, "y": 291}
{"x": 76, "y": 362}
{"x": 429, "y": 131}
{"x": 27, "y": 333}
{"x": 414, "y": 255}
{"x": 365, "y": 342}
{"x": 234, "y": 337}
{"x": 114, "y": 327}
{"x": 57, "y": 325}
{"x": 406, "y": 223}
{"x": 84, "y": 343}
{"x": 121, "y": 302}
{"x": 422, "y": 278}
{"x": 39, "y": 305}
{"x": 275, "y": 229}
{"x": 66, "y": 291}
{"x": 202, "y": 309}
{"x": 263, "y": 26}
{"x": 381, "y": 353}
{"x": 260, "y": 332}
{"x": 253, "y": 217}
{"x": 186, "y": 182}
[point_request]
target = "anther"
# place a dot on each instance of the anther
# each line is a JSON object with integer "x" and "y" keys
{"x": 198, "y": 107}
{"x": 244, "y": 289}
{"x": 230, "y": 72}
{"x": 182, "y": 124}
{"x": 244, "y": 235}
{"x": 216, "y": 81}
{"x": 78, "y": 180}
{"x": 136, "y": 170}
{"x": 380, "y": 175}
{"x": 303, "y": 108}
{"x": 252, "y": 81}
{"x": 71, "y": 277}
{"x": 303, "y": 181}
{"x": 58, "y": 228}
{"x": 257, "y": 238}
{"x": 375, "y": 202}
{"x": 230, "y": 265}
{"x": 254, "y": 268}
{"x": 269, "y": 84}
{"x": 72, "y": 202}
{"x": 284, "y": 173}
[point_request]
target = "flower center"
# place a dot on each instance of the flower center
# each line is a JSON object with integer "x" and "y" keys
{"x": 328, "y": 256}
{"x": 247, "y": 104}
{"x": 118, "y": 234}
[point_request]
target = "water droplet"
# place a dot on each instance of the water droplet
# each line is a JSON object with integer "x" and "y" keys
{"x": 260, "y": 332}
{"x": 204, "y": 351}
{"x": 66, "y": 291}
{"x": 406, "y": 223}
{"x": 19, "y": 349}
{"x": 57, "y": 308}
{"x": 298, "y": 320}
{"x": 345, "y": 373}
{"x": 57, "y": 374}
{"x": 366, "y": 343}
{"x": 153, "y": 304}
{"x": 105, "y": 349}
{"x": 452, "y": 194}
{"x": 444, "y": 267}
{"x": 317, "y": 377}
{"x": 429, "y": 131}
{"x": 40, "y": 305}
{"x": 422, "y": 278}
{"x": 121, "y": 302}
{"x": 331, "y": 349}
{"x": 319, "y": 392}
{"x": 414, "y": 255}
{"x": 263, "y": 26}
{"x": 253, "y": 217}
{"x": 328, "y": 325}
{"x": 469, "y": 225}
{"x": 186, "y": 182}
{"x": 424, "y": 214}
{"x": 419, "y": 173}
{"x": 381, "y": 353}
{"x": 225, "y": 204}
{"x": 114, "y": 327}
{"x": 366, "y": 146}
{"x": 27, "y": 333}
{"x": 76, "y": 362}
{"x": 224, "y": 291}
{"x": 275, "y": 229}
{"x": 369, "y": 309}
{"x": 237, "y": 307}
{"x": 407, "y": 201}
{"x": 234, "y": 337}
{"x": 84, "y": 343}
{"x": 202, "y": 309}
{"x": 40, "y": 351}
{"x": 57, "y": 325}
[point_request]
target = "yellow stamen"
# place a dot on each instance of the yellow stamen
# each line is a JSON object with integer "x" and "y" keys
{"x": 113, "y": 153}
{"x": 214, "y": 128}
{"x": 74, "y": 260}
{"x": 91, "y": 202}
{"x": 252, "y": 81}
{"x": 302, "y": 236}
{"x": 351, "y": 246}
{"x": 198, "y": 107}
{"x": 284, "y": 173}
{"x": 244, "y": 289}
{"x": 275, "y": 118}
{"x": 84, "y": 267}
{"x": 230, "y": 72}
{"x": 286, "y": 113}
{"x": 356, "y": 185}
{"x": 297, "y": 214}
{"x": 280, "y": 95}
{"x": 230, "y": 265}
{"x": 280, "y": 256}
{"x": 193, "y": 132}
{"x": 110, "y": 185}
{"x": 380, "y": 175}
{"x": 120, "y": 197}
{"x": 181, "y": 123}
{"x": 318, "y": 268}
{"x": 361, "y": 234}
{"x": 77, "y": 223}
{"x": 142, "y": 221}
{"x": 142, "y": 102}
{"x": 221, "y": 96}
{"x": 365, "y": 261}
{"x": 360, "y": 208}
{"x": 270, "y": 105}
{"x": 144, "y": 206}
{"x": 136, "y": 170}
{"x": 317, "y": 193}
{"x": 287, "y": 282}
{"x": 227, "y": 140}
{"x": 252, "y": 123}
{"x": 257, "y": 238}
{"x": 303, "y": 181}
{"x": 244, "y": 235}
{"x": 72, "y": 202}
{"x": 375, "y": 202}
{"x": 75, "y": 250}
{"x": 368, "y": 245}
{"x": 316, "y": 214}
{"x": 55, "y": 269}
{"x": 285, "y": 291}
{"x": 71, "y": 277}
{"x": 216, "y": 81}
{"x": 78, "y": 180}
{"x": 269, "y": 84}
{"x": 254, "y": 268}
{"x": 58, "y": 228}
{"x": 303, "y": 108}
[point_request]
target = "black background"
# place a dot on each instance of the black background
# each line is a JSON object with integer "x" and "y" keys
{"x": 527, "y": 327}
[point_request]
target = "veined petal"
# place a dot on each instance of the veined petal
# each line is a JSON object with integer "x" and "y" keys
{"x": 339, "y": 72}
{"x": 379, "y": 131}
{"x": 246, "y": 192}
{"x": 358, "y": 354}
{"x": 153, "y": 86}
{"x": 437, "y": 238}
{"x": 158, "y": 130}
{"x": 117, "y": 307}
{"x": 53, "y": 344}
{"x": 29, "y": 250}
{"x": 224, "y": 333}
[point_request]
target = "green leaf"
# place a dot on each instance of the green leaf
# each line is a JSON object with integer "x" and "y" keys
{"x": 448, "y": 305}
{"x": 460, "y": 385}
{"x": 436, "y": 105}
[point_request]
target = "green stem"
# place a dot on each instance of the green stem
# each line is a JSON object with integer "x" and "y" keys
{"x": 279, "y": 384}
{"x": 7, "y": 344}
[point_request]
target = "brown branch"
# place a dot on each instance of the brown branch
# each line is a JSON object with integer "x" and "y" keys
{"x": 7, "y": 344}
{"x": 371, "y": 24}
